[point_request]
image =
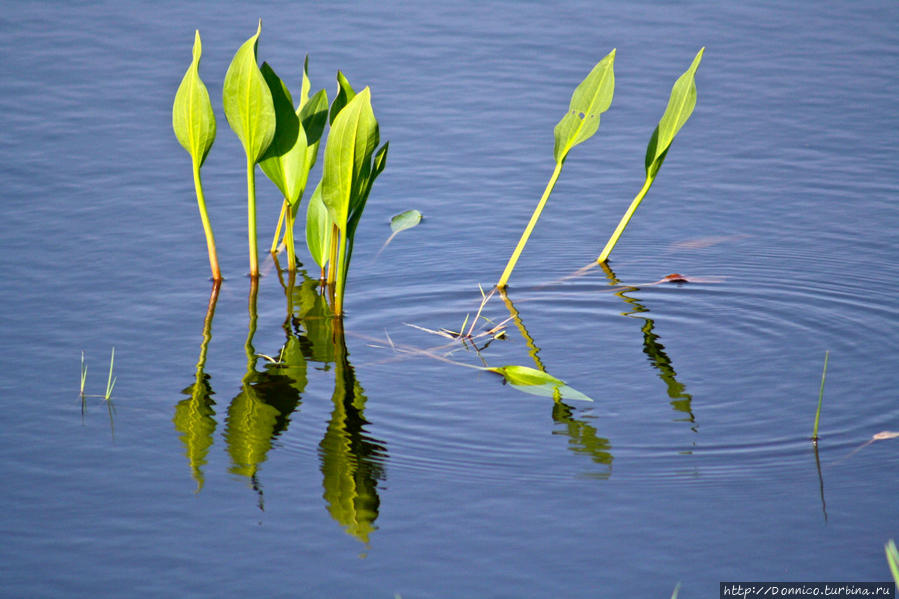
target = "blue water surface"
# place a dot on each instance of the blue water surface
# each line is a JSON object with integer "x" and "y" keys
{"x": 381, "y": 471}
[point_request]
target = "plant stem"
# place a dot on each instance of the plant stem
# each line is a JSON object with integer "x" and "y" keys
{"x": 277, "y": 238}
{"x": 251, "y": 217}
{"x": 341, "y": 277}
{"x": 820, "y": 398}
{"x": 504, "y": 279}
{"x": 207, "y": 228}
{"x": 332, "y": 254}
{"x": 623, "y": 222}
{"x": 288, "y": 241}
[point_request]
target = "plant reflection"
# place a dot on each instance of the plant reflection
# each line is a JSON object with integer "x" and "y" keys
{"x": 195, "y": 417}
{"x": 582, "y": 437}
{"x": 351, "y": 461}
{"x": 262, "y": 409}
{"x": 652, "y": 347}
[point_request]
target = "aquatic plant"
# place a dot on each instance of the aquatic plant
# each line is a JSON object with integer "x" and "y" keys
{"x": 194, "y": 123}
{"x": 680, "y": 107}
{"x": 251, "y": 113}
{"x": 110, "y": 382}
{"x": 351, "y": 165}
{"x": 294, "y": 149}
{"x": 83, "y": 374}
{"x": 592, "y": 97}
{"x": 820, "y": 398}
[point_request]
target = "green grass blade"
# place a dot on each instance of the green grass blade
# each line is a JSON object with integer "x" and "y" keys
{"x": 110, "y": 382}
{"x": 820, "y": 397}
{"x": 83, "y": 373}
{"x": 893, "y": 560}
{"x": 591, "y": 97}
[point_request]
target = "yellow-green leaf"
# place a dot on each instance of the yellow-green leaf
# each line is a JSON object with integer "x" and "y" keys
{"x": 537, "y": 382}
{"x": 680, "y": 107}
{"x": 248, "y": 101}
{"x": 590, "y": 98}
{"x": 192, "y": 116}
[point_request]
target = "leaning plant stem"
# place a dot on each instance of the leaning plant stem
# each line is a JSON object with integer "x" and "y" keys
{"x": 207, "y": 228}
{"x": 504, "y": 279}
{"x": 820, "y": 398}
{"x": 624, "y": 220}
{"x": 251, "y": 217}
{"x": 277, "y": 238}
{"x": 288, "y": 241}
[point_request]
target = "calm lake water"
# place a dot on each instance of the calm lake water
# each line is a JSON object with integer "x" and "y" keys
{"x": 357, "y": 471}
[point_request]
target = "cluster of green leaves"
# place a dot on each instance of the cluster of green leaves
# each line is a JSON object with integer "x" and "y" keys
{"x": 284, "y": 141}
{"x": 592, "y": 97}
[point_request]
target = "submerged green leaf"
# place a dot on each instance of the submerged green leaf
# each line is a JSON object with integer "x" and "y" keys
{"x": 248, "y": 101}
{"x": 405, "y": 220}
{"x": 680, "y": 107}
{"x": 591, "y": 97}
{"x": 192, "y": 116}
{"x": 537, "y": 382}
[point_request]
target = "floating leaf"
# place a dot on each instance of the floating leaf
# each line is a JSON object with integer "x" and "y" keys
{"x": 405, "y": 220}
{"x": 592, "y": 97}
{"x": 192, "y": 116}
{"x": 680, "y": 107}
{"x": 401, "y": 222}
{"x": 248, "y": 101}
{"x": 537, "y": 382}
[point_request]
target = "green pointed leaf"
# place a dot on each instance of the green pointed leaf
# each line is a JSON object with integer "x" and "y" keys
{"x": 305, "y": 84}
{"x": 405, "y": 220}
{"x": 287, "y": 135}
{"x": 318, "y": 228}
{"x": 353, "y": 136}
{"x": 345, "y": 93}
{"x": 680, "y": 107}
{"x": 537, "y": 382}
{"x": 592, "y": 97}
{"x": 248, "y": 102}
{"x": 358, "y": 205}
{"x": 192, "y": 116}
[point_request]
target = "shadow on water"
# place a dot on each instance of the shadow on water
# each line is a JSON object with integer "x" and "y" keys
{"x": 582, "y": 437}
{"x": 351, "y": 462}
{"x": 681, "y": 401}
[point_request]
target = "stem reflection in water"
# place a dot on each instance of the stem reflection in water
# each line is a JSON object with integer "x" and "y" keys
{"x": 582, "y": 437}
{"x": 652, "y": 347}
{"x": 262, "y": 409}
{"x": 351, "y": 461}
{"x": 195, "y": 417}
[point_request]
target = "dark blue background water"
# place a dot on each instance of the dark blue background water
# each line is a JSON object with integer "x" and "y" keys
{"x": 692, "y": 465}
